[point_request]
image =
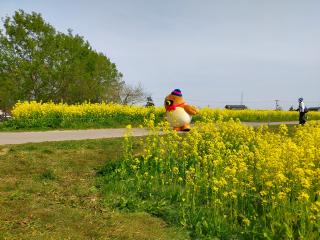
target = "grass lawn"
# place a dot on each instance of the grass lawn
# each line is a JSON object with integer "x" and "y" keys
{"x": 8, "y": 126}
{"x": 48, "y": 191}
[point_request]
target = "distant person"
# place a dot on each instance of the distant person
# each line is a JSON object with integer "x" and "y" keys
{"x": 302, "y": 111}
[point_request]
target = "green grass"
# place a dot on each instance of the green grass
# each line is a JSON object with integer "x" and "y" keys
{"x": 112, "y": 123}
{"x": 50, "y": 191}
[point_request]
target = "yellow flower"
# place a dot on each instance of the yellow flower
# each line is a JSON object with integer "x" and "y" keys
{"x": 175, "y": 170}
{"x": 281, "y": 195}
{"x": 263, "y": 193}
{"x": 246, "y": 221}
{"x": 303, "y": 197}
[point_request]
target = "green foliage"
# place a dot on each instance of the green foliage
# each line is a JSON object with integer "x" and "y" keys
{"x": 47, "y": 175}
{"x": 39, "y": 63}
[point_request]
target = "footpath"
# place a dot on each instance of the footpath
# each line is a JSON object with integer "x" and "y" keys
{"x": 63, "y": 135}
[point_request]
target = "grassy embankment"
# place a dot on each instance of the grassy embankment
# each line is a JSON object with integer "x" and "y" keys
{"x": 50, "y": 191}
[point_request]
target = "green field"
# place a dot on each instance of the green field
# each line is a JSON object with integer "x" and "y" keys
{"x": 50, "y": 191}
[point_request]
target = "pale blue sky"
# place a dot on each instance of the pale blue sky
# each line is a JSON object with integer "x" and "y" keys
{"x": 211, "y": 50}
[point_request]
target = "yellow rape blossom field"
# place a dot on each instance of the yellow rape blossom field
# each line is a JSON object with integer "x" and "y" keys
{"x": 61, "y": 115}
{"x": 221, "y": 180}
{"x": 51, "y": 115}
{"x": 224, "y": 180}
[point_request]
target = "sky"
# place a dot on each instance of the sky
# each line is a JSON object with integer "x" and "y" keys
{"x": 216, "y": 52}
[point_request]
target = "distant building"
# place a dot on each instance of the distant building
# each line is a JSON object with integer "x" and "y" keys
{"x": 314, "y": 109}
{"x": 236, "y": 107}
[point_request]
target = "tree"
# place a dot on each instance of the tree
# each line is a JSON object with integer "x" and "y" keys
{"x": 39, "y": 63}
{"x": 132, "y": 94}
{"x": 6, "y": 100}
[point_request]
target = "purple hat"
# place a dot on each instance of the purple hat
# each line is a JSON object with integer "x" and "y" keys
{"x": 177, "y": 92}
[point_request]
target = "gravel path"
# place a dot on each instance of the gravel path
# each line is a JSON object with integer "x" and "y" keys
{"x": 48, "y": 136}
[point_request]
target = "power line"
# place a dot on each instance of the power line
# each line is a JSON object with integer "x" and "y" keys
{"x": 246, "y": 101}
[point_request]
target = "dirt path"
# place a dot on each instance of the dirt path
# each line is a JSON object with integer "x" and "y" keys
{"x": 49, "y": 136}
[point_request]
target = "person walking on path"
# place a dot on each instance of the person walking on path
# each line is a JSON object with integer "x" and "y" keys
{"x": 302, "y": 111}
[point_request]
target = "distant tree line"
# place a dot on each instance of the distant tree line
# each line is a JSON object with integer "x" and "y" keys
{"x": 39, "y": 63}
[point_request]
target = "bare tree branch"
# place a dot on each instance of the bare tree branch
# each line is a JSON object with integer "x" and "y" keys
{"x": 132, "y": 94}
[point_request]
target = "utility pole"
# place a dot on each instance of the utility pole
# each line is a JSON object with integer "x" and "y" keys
{"x": 241, "y": 103}
{"x": 277, "y": 104}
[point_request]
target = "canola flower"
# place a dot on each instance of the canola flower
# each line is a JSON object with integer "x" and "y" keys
{"x": 249, "y": 115}
{"x": 38, "y": 114}
{"x": 227, "y": 180}
{"x": 55, "y": 115}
